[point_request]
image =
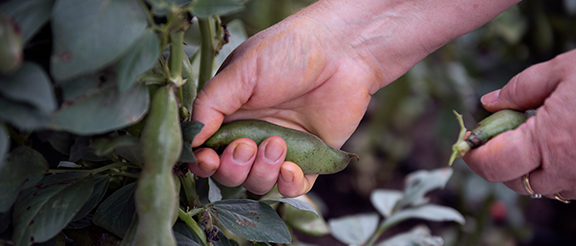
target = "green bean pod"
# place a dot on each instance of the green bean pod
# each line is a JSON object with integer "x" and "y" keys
{"x": 308, "y": 151}
{"x": 157, "y": 190}
{"x": 499, "y": 122}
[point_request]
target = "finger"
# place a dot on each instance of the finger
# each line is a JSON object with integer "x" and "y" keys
{"x": 235, "y": 162}
{"x": 222, "y": 95}
{"x": 292, "y": 181}
{"x": 541, "y": 182}
{"x": 526, "y": 90}
{"x": 207, "y": 162}
{"x": 507, "y": 156}
{"x": 264, "y": 173}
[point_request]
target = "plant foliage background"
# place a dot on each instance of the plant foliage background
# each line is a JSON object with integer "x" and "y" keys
{"x": 68, "y": 105}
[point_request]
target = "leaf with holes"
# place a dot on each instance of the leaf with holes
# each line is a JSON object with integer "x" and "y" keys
{"x": 44, "y": 209}
{"x": 250, "y": 219}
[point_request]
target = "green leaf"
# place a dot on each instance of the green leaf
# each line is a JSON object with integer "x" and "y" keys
{"x": 207, "y": 8}
{"x": 94, "y": 105}
{"x": 5, "y": 221}
{"x": 189, "y": 131}
{"x": 91, "y": 34}
{"x": 43, "y": 210}
{"x": 421, "y": 182}
{"x": 23, "y": 168}
{"x": 100, "y": 188}
{"x": 104, "y": 146}
{"x": 61, "y": 141}
{"x": 138, "y": 59}
{"x": 214, "y": 193}
{"x": 301, "y": 218}
{"x": 30, "y": 84}
{"x": 132, "y": 153}
{"x": 428, "y": 212}
{"x": 296, "y": 203}
{"x": 161, "y": 7}
{"x": 385, "y": 200}
{"x": 92, "y": 236}
{"x": 250, "y": 219}
{"x": 418, "y": 236}
{"x": 115, "y": 213}
{"x": 30, "y": 15}
{"x": 184, "y": 235}
{"x": 4, "y": 144}
{"x": 354, "y": 229}
{"x": 22, "y": 115}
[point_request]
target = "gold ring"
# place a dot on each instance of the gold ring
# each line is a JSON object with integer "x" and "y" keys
{"x": 561, "y": 198}
{"x": 526, "y": 184}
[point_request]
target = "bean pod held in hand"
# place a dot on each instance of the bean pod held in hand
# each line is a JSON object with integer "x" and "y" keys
{"x": 486, "y": 129}
{"x": 157, "y": 189}
{"x": 308, "y": 151}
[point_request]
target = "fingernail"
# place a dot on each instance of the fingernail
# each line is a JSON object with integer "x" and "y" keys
{"x": 490, "y": 98}
{"x": 243, "y": 153}
{"x": 273, "y": 151}
{"x": 286, "y": 175}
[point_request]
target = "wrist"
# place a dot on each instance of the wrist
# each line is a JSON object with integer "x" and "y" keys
{"x": 392, "y": 36}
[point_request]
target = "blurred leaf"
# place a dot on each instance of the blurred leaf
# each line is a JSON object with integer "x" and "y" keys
{"x": 68, "y": 164}
{"x": 421, "y": 182}
{"x": 61, "y": 141}
{"x": 115, "y": 213}
{"x": 385, "y": 200}
{"x": 309, "y": 222}
{"x": 100, "y": 188}
{"x": 11, "y": 46}
{"x": 92, "y": 236}
{"x": 354, "y": 229}
{"x": 30, "y": 84}
{"x": 94, "y": 105}
{"x": 132, "y": 153}
{"x": 214, "y": 193}
{"x": 207, "y": 8}
{"x": 418, "y": 236}
{"x": 21, "y": 115}
{"x": 428, "y": 212}
{"x": 192, "y": 34}
{"x": 186, "y": 237}
{"x": 5, "y": 220}
{"x": 138, "y": 59}
{"x": 294, "y": 202}
{"x": 162, "y": 7}
{"x": 4, "y": 145}
{"x": 250, "y": 219}
{"x": 90, "y": 34}
{"x": 23, "y": 168}
{"x": 43, "y": 210}
{"x": 104, "y": 146}
{"x": 30, "y": 15}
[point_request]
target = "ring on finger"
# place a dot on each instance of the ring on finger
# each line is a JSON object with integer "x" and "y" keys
{"x": 561, "y": 198}
{"x": 528, "y": 188}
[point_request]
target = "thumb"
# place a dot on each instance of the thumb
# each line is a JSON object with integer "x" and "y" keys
{"x": 221, "y": 96}
{"x": 526, "y": 90}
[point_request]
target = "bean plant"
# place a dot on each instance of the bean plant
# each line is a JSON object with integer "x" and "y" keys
{"x": 95, "y": 131}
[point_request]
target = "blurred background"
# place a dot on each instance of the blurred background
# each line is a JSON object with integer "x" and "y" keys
{"x": 410, "y": 126}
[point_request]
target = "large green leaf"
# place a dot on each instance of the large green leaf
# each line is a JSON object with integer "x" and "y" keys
{"x": 418, "y": 236}
{"x": 100, "y": 188}
{"x": 45, "y": 209}
{"x": 421, "y": 182}
{"x": 23, "y": 168}
{"x": 139, "y": 59}
{"x": 251, "y": 219}
{"x": 30, "y": 84}
{"x": 93, "y": 105}
{"x": 189, "y": 131}
{"x": 385, "y": 200}
{"x": 207, "y": 8}
{"x": 90, "y": 34}
{"x": 115, "y": 213}
{"x": 30, "y": 15}
{"x": 22, "y": 115}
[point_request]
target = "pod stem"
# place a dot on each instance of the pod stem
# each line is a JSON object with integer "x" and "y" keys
{"x": 461, "y": 147}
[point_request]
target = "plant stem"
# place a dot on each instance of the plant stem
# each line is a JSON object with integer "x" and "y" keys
{"x": 91, "y": 171}
{"x": 125, "y": 174}
{"x": 189, "y": 187}
{"x": 176, "y": 54}
{"x": 193, "y": 226}
{"x": 206, "y": 51}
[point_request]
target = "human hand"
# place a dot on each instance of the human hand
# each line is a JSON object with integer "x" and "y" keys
{"x": 296, "y": 74}
{"x": 545, "y": 145}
